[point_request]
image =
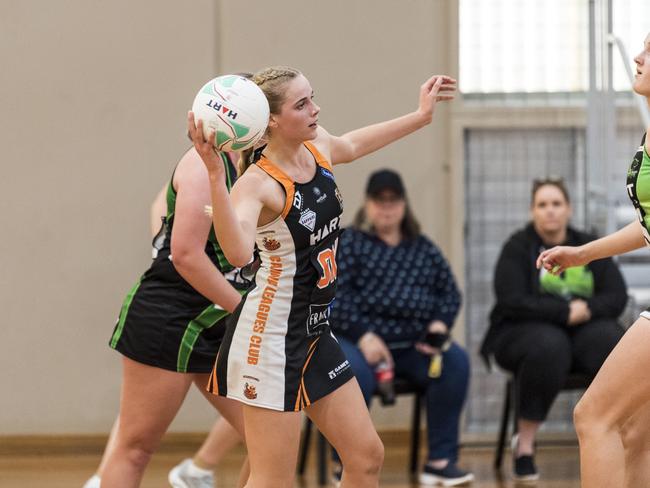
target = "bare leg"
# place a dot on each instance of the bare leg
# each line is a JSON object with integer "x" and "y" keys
{"x": 231, "y": 410}
{"x": 636, "y": 441}
{"x": 527, "y": 430}
{"x": 223, "y": 436}
{"x": 620, "y": 389}
{"x": 221, "y": 439}
{"x": 272, "y": 438}
{"x": 343, "y": 418}
{"x": 150, "y": 399}
{"x": 110, "y": 444}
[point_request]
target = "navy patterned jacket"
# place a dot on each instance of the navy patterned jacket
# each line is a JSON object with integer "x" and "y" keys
{"x": 394, "y": 292}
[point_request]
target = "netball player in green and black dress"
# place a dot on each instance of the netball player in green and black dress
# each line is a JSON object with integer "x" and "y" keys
{"x": 198, "y": 471}
{"x": 613, "y": 416}
{"x": 170, "y": 325}
{"x": 279, "y": 356}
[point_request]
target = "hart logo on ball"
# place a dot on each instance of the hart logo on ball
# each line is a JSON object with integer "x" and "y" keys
{"x": 217, "y": 106}
{"x": 233, "y": 108}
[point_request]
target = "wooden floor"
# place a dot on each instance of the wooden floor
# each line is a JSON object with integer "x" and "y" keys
{"x": 558, "y": 467}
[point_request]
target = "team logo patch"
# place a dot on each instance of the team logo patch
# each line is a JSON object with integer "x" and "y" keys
{"x": 271, "y": 244}
{"x": 327, "y": 173}
{"x": 308, "y": 219}
{"x": 297, "y": 200}
{"x": 250, "y": 392}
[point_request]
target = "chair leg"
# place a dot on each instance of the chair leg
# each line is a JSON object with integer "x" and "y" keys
{"x": 503, "y": 428}
{"x": 322, "y": 459}
{"x": 415, "y": 432}
{"x": 304, "y": 447}
{"x": 514, "y": 394}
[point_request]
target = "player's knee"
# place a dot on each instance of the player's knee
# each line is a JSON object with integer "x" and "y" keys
{"x": 586, "y": 417}
{"x": 375, "y": 456}
{"x": 580, "y": 418}
{"x": 367, "y": 459}
{"x": 138, "y": 452}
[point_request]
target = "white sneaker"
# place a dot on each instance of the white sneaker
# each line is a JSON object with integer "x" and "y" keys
{"x": 92, "y": 482}
{"x": 186, "y": 475}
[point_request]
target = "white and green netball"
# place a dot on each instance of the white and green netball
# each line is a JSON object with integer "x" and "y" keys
{"x": 235, "y": 108}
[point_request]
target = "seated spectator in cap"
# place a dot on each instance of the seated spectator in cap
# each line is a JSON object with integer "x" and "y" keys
{"x": 395, "y": 305}
{"x": 542, "y": 326}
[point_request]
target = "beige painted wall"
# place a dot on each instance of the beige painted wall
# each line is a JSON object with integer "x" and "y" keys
{"x": 94, "y": 96}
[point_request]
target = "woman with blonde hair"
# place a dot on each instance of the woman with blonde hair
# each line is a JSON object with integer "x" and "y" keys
{"x": 279, "y": 356}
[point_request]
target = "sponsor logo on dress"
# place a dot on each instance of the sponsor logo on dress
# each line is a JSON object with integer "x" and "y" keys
{"x": 250, "y": 392}
{"x": 324, "y": 231}
{"x": 320, "y": 196}
{"x": 327, "y": 173}
{"x": 251, "y": 377}
{"x": 339, "y": 369}
{"x": 271, "y": 244}
{"x": 297, "y": 200}
{"x": 319, "y": 315}
{"x": 308, "y": 219}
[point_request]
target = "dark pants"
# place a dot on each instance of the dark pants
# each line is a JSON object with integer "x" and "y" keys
{"x": 445, "y": 395}
{"x": 542, "y": 355}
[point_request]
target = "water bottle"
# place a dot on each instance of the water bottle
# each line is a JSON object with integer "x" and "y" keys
{"x": 385, "y": 375}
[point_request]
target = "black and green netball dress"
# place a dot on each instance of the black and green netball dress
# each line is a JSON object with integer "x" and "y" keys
{"x": 638, "y": 189}
{"x": 164, "y": 322}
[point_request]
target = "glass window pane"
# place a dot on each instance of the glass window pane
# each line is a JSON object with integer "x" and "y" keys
{"x": 531, "y": 46}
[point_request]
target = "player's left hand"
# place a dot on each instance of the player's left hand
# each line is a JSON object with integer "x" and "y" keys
{"x": 559, "y": 258}
{"x": 436, "y": 89}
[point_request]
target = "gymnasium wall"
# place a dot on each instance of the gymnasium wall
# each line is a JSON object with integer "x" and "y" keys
{"x": 94, "y": 97}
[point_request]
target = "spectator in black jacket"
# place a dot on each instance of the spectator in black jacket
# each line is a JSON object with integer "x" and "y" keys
{"x": 395, "y": 286}
{"x": 543, "y": 326}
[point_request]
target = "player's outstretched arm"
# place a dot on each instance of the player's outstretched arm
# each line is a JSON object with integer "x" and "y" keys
{"x": 559, "y": 258}
{"x": 360, "y": 142}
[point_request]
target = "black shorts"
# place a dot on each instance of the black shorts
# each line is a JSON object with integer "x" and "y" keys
{"x": 165, "y": 323}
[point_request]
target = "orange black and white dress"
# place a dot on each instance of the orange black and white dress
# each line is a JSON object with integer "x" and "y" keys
{"x": 278, "y": 351}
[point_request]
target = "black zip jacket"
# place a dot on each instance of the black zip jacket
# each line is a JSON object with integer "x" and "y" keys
{"x": 518, "y": 294}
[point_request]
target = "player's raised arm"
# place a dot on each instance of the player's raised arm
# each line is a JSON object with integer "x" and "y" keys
{"x": 366, "y": 140}
{"x": 234, "y": 220}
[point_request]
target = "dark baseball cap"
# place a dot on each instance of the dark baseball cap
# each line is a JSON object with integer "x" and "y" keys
{"x": 385, "y": 179}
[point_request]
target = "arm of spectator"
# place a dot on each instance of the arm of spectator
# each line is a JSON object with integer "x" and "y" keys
{"x": 512, "y": 278}
{"x": 610, "y": 295}
{"x": 374, "y": 349}
{"x": 446, "y": 296}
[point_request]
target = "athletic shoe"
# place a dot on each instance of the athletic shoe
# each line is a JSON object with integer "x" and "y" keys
{"x": 450, "y": 475}
{"x": 92, "y": 482}
{"x": 186, "y": 475}
{"x": 523, "y": 467}
{"x": 524, "y": 470}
